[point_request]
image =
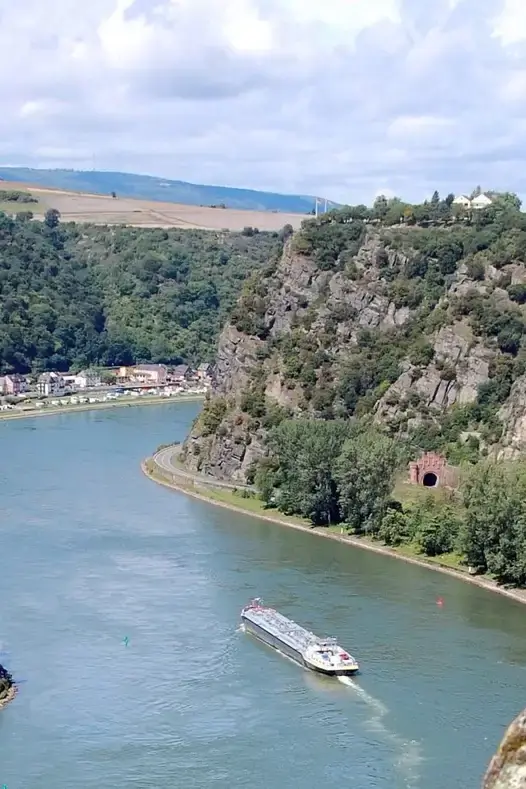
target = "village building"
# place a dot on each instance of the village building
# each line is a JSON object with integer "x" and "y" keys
{"x": 14, "y": 384}
{"x": 180, "y": 374}
{"x": 87, "y": 379}
{"x": 50, "y": 384}
{"x": 204, "y": 371}
{"x": 153, "y": 374}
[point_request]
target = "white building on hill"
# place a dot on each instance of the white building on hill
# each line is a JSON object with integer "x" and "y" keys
{"x": 478, "y": 202}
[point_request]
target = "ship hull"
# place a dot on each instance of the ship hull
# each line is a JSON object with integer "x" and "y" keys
{"x": 339, "y": 672}
{"x": 280, "y": 646}
{"x": 273, "y": 641}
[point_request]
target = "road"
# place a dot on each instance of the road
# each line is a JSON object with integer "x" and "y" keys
{"x": 166, "y": 459}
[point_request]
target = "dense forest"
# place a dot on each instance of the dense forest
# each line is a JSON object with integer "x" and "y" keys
{"x": 76, "y": 295}
{"x": 384, "y": 332}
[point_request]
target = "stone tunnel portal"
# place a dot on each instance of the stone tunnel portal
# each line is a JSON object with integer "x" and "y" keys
{"x": 430, "y": 480}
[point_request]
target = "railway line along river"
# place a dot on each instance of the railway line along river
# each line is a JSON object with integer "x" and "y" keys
{"x": 120, "y": 614}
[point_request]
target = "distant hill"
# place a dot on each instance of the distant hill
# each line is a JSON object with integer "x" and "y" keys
{"x": 147, "y": 187}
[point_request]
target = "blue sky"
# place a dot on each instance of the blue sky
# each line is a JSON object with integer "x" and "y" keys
{"x": 343, "y": 98}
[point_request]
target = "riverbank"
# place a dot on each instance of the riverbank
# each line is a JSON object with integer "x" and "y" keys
{"x": 249, "y": 506}
{"x": 123, "y": 403}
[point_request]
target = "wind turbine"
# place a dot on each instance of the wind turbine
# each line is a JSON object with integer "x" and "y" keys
{"x": 318, "y": 200}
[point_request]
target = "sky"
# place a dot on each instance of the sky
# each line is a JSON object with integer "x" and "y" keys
{"x": 345, "y": 99}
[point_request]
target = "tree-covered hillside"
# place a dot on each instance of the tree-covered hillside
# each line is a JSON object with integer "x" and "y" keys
{"x": 79, "y": 295}
{"x": 382, "y": 333}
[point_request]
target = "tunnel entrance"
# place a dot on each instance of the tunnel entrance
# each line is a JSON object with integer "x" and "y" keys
{"x": 430, "y": 480}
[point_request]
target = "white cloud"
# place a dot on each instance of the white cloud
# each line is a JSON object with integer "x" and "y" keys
{"x": 514, "y": 87}
{"x": 419, "y": 126}
{"x": 339, "y": 97}
{"x": 510, "y": 23}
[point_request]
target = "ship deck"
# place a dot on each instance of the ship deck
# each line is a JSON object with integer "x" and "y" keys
{"x": 280, "y": 627}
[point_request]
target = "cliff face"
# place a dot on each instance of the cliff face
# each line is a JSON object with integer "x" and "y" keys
{"x": 397, "y": 324}
{"x": 507, "y": 769}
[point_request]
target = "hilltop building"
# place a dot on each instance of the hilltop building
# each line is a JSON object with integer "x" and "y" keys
{"x": 478, "y": 202}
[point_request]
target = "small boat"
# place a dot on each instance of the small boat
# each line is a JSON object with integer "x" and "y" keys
{"x": 323, "y": 655}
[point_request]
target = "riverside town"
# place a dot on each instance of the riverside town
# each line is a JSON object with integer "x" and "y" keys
{"x": 20, "y": 394}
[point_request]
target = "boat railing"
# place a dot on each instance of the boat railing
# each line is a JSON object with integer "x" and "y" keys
{"x": 327, "y": 642}
{"x": 255, "y": 603}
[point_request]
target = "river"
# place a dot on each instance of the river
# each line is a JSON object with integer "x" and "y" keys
{"x": 94, "y": 553}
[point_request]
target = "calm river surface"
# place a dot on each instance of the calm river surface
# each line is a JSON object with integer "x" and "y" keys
{"x": 93, "y": 552}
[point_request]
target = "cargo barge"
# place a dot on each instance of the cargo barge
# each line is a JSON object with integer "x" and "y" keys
{"x": 323, "y": 655}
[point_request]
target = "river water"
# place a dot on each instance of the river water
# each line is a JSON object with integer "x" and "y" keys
{"x": 94, "y": 553}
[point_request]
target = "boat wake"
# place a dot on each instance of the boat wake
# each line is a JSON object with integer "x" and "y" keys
{"x": 409, "y": 751}
{"x": 409, "y": 755}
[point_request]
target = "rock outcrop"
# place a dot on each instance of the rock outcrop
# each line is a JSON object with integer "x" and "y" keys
{"x": 513, "y": 416}
{"x": 377, "y": 330}
{"x": 7, "y": 687}
{"x": 507, "y": 769}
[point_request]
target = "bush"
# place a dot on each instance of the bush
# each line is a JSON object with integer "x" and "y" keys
{"x": 213, "y": 413}
{"x": 475, "y": 270}
{"x": 517, "y": 293}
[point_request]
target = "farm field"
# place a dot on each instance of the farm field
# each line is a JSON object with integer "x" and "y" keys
{"x": 106, "y": 210}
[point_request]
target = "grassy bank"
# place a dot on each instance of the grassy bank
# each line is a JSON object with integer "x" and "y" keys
{"x": 123, "y": 403}
{"x": 449, "y": 564}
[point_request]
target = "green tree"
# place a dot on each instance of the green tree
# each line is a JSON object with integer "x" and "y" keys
{"x": 394, "y": 528}
{"x": 435, "y": 527}
{"x": 52, "y": 218}
{"x": 380, "y": 206}
{"x": 493, "y": 536}
{"x": 365, "y": 473}
{"x": 302, "y": 481}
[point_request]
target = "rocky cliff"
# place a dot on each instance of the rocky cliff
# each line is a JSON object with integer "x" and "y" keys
{"x": 7, "y": 686}
{"x": 418, "y": 329}
{"x": 507, "y": 769}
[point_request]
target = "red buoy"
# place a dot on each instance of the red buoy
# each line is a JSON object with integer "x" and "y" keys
{"x": 440, "y": 601}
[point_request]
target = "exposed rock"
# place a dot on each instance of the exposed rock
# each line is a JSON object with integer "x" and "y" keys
{"x": 7, "y": 687}
{"x": 513, "y": 416}
{"x": 236, "y": 356}
{"x": 228, "y": 454}
{"x": 507, "y": 769}
{"x": 309, "y": 320}
{"x": 459, "y": 367}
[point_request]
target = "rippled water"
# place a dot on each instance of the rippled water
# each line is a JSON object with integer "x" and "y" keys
{"x": 93, "y": 552}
